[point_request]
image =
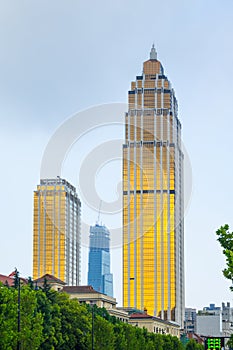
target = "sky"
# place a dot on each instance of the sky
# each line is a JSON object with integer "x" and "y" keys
{"x": 59, "y": 59}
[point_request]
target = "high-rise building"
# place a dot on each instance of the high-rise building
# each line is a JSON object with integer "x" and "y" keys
{"x": 153, "y": 243}
{"x": 99, "y": 276}
{"x": 56, "y": 235}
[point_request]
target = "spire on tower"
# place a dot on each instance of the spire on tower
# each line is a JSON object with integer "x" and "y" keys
{"x": 153, "y": 53}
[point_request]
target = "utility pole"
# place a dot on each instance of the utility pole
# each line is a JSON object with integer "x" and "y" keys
{"x": 92, "y": 329}
{"x": 18, "y": 341}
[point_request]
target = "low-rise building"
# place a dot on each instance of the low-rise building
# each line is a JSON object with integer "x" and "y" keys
{"x": 88, "y": 295}
{"x": 154, "y": 324}
{"x": 9, "y": 280}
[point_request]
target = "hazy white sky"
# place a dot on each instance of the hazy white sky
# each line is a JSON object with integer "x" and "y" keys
{"x": 60, "y": 57}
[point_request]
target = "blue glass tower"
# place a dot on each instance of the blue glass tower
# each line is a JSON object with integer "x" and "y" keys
{"x": 99, "y": 276}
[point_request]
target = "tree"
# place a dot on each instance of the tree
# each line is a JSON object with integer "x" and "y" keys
{"x": 130, "y": 335}
{"x": 52, "y": 335}
{"x": 158, "y": 341}
{"x": 30, "y": 283}
{"x": 46, "y": 287}
{"x": 104, "y": 337}
{"x": 120, "y": 339}
{"x": 8, "y": 318}
{"x": 225, "y": 238}
{"x": 16, "y": 279}
{"x": 75, "y": 324}
{"x": 30, "y": 335}
{"x": 167, "y": 341}
{"x": 51, "y": 321}
{"x": 31, "y": 320}
{"x": 230, "y": 342}
{"x": 193, "y": 345}
{"x": 177, "y": 345}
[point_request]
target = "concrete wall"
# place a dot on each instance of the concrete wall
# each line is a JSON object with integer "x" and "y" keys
{"x": 209, "y": 325}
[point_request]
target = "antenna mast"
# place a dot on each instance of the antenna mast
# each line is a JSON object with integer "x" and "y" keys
{"x": 99, "y": 212}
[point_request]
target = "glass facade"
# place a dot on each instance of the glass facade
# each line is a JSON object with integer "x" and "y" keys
{"x": 99, "y": 276}
{"x": 153, "y": 239}
{"x": 56, "y": 231}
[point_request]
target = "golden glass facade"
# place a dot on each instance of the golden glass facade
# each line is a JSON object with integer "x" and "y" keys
{"x": 56, "y": 231}
{"x": 153, "y": 242}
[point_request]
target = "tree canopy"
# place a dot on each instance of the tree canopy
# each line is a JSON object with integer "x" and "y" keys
{"x": 50, "y": 320}
{"x": 225, "y": 238}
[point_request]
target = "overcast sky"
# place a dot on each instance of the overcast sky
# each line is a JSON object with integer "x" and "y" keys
{"x": 60, "y": 57}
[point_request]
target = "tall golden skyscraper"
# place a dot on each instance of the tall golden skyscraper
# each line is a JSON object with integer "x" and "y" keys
{"x": 153, "y": 230}
{"x": 56, "y": 231}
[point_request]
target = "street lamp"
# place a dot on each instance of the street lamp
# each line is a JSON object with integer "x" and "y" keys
{"x": 18, "y": 280}
{"x": 92, "y": 327}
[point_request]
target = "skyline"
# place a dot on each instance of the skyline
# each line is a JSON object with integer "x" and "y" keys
{"x": 46, "y": 68}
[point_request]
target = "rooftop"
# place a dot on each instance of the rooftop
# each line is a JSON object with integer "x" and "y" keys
{"x": 57, "y": 181}
{"x": 50, "y": 279}
{"x": 80, "y": 289}
{"x": 10, "y": 279}
{"x": 140, "y": 315}
{"x": 7, "y": 280}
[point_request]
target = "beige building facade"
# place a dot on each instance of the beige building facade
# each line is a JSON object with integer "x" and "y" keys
{"x": 154, "y": 324}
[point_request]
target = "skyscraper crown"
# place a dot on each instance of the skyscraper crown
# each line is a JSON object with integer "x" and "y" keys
{"x": 153, "y": 53}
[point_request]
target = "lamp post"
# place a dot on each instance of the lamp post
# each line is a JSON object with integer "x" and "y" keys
{"x": 18, "y": 278}
{"x": 92, "y": 328}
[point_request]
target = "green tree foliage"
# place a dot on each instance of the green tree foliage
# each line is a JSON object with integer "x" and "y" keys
{"x": 120, "y": 337}
{"x": 8, "y": 317}
{"x": 52, "y": 335}
{"x": 30, "y": 283}
{"x": 230, "y": 342}
{"x": 225, "y": 238}
{"x": 104, "y": 336}
{"x": 75, "y": 324}
{"x": 193, "y": 345}
{"x": 51, "y": 321}
{"x": 177, "y": 345}
{"x": 30, "y": 319}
